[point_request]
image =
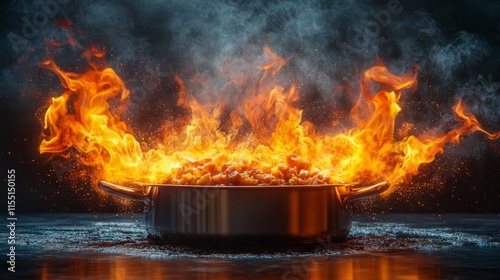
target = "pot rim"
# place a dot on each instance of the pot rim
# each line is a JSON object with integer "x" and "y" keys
{"x": 284, "y": 187}
{"x": 353, "y": 191}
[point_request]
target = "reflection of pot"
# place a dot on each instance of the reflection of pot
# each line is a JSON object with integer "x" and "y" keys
{"x": 244, "y": 215}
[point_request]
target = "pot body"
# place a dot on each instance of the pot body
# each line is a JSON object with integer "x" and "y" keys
{"x": 260, "y": 215}
{"x": 246, "y": 215}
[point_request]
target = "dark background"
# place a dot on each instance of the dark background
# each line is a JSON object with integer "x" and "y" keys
{"x": 464, "y": 179}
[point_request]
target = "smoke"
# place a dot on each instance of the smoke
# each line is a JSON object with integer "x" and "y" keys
{"x": 328, "y": 45}
{"x": 328, "y": 42}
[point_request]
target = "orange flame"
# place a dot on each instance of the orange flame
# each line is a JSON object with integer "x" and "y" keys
{"x": 279, "y": 149}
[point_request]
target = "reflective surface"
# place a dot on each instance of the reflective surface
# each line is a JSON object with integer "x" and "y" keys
{"x": 405, "y": 266}
{"x": 395, "y": 246}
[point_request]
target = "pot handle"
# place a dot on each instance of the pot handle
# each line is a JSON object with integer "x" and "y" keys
{"x": 126, "y": 192}
{"x": 357, "y": 193}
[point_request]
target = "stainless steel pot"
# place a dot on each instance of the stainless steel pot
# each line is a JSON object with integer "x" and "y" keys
{"x": 246, "y": 215}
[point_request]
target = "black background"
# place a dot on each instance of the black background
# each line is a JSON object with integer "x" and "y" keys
{"x": 473, "y": 189}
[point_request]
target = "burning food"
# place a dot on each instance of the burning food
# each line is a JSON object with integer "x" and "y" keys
{"x": 218, "y": 171}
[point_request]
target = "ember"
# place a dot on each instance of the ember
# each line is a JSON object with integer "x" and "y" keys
{"x": 279, "y": 148}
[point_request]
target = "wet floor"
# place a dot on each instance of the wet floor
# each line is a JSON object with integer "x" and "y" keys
{"x": 388, "y": 246}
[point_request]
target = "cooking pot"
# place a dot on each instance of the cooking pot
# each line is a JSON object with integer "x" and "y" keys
{"x": 246, "y": 215}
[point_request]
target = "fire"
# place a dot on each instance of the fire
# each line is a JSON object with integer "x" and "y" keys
{"x": 277, "y": 148}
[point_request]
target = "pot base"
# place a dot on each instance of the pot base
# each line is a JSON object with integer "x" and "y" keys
{"x": 239, "y": 242}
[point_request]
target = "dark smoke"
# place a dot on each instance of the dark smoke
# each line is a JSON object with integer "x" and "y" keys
{"x": 328, "y": 43}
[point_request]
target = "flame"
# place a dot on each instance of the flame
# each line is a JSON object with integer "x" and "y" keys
{"x": 277, "y": 148}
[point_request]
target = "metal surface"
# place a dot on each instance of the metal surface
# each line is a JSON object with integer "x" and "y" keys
{"x": 264, "y": 215}
{"x": 358, "y": 192}
{"x": 139, "y": 193}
